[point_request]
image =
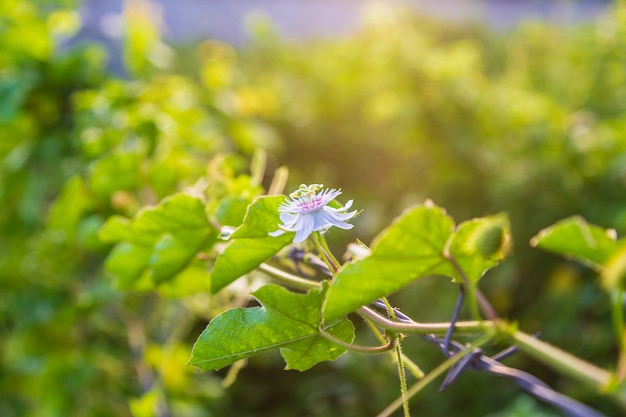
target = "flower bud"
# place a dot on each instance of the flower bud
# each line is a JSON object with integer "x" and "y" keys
{"x": 488, "y": 240}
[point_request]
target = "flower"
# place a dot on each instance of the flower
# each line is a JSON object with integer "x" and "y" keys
{"x": 306, "y": 211}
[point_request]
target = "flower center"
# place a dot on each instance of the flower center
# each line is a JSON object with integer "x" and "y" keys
{"x": 309, "y": 203}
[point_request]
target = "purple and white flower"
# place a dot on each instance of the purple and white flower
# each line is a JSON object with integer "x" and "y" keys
{"x": 307, "y": 211}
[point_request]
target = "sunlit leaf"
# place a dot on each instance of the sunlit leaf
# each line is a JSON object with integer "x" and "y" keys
{"x": 194, "y": 279}
{"x": 127, "y": 261}
{"x": 67, "y": 211}
{"x": 575, "y": 238}
{"x": 421, "y": 242}
{"x": 251, "y": 244}
{"x": 285, "y": 321}
{"x": 412, "y": 247}
{"x": 115, "y": 229}
{"x": 232, "y": 210}
{"x": 242, "y": 256}
{"x": 261, "y": 218}
{"x": 472, "y": 252}
{"x": 160, "y": 242}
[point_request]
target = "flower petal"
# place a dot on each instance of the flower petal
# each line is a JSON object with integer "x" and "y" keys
{"x": 303, "y": 228}
{"x": 339, "y": 215}
{"x": 277, "y": 233}
{"x": 346, "y": 207}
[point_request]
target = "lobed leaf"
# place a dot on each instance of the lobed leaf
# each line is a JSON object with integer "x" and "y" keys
{"x": 463, "y": 246}
{"x": 285, "y": 321}
{"x": 261, "y": 218}
{"x": 251, "y": 244}
{"x": 115, "y": 229}
{"x": 574, "y": 238}
{"x": 419, "y": 243}
{"x": 412, "y": 247}
{"x": 159, "y": 243}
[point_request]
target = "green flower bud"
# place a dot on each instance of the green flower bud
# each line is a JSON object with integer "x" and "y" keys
{"x": 488, "y": 240}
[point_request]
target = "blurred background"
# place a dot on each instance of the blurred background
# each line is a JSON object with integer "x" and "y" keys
{"x": 482, "y": 106}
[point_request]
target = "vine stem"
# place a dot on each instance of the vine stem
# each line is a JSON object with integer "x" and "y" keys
{"x": 362, "y": 349}
{"x": 424, "y": 328}
{"x": 408, "y": 363}
{"x": 562, "y": 361}
{"x": 554, "y": 357}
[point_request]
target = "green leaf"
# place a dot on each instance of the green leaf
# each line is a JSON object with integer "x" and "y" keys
{"x": 115, "y": 229}
{"x": 242, "y": 256}
{"x": 192, "y": 280}
{"x": 575, "y": 238}
{"x": 13, "y": 90}
{"x": 159, "y": 243}
{"x": 465, "y": 246}
{"x": 261, "y": 218}
{"x": 232, "y": 210}
{"x": 285, "y": 321}
{"x": 69, "y": 208}
{"x": 419, "y": 243}
{"x": 117, "y": 171}
{"x": 412, "y": 247}
{"x": 179, "y": 213}
{"x": 172, "y": 253}
{"x": 251, "y": 243}
{"x": 126, "y": 262}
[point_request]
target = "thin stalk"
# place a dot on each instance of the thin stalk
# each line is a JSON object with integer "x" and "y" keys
{"x": 485, "y": 305}
{"x": 471, "y": 290}
{"x": 288, "y": 279}
{"x": 562, "y": 361}
{"x": 390, "y": 310}
{"x": 617, "y": 313}
{"x": 408, "y": 363}
{"x": 329, "y": 253}
{"x": 325, "y": 254}
{"x": 399, "y": 362}
{"x": 620, "y": 373}
{"x": 402, "y": 375}
{"x": 471, "y": 296}
{"x": 434, "y": 374}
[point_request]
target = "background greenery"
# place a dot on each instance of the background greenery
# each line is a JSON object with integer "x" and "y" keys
{"x": 529, "y": 122}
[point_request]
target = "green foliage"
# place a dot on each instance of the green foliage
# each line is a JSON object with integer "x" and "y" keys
{"x": 159, "y": 243}
{"x": 591, "y": 245}
{"x": 113, "y": 191}
{"x": 285, "y": 321}
{"x": 575, "y": 238}
{"x": 421, "y": 242}
{"x": 81, "y": 149}
{"x": 250, "y": 243}
{"x": 475, "y": 248}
